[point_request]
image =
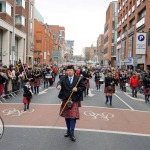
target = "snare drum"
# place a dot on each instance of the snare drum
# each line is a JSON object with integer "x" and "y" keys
{"x": 48, "y": 76}
{"x": 101, "y": 81}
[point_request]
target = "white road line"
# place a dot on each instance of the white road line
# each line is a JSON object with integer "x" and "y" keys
{"x": 124, "y": 102}
{"x": 141, "y": 100}
{"x": 78, "y": 129}
{"x": 82, "y": 107}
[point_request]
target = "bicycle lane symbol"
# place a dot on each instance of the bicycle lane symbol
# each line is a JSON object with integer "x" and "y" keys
{"x": 14, "y": 112}
{"x": 1, "y": 127}
{"x": 105, "y": 116}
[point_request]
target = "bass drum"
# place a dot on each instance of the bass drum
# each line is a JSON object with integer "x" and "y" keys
{"x": 48, "y": 76}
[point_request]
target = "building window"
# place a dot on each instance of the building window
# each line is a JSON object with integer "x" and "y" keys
{"x": 31, "y": 11}
{"x": 21, "y": 3}
{"x": 20, "y": 20}
{"x": 5, "y": 8}
{"x": 106, "y": 40}
{"x": 142, "y": 14}
{"x": 105, "y": 51}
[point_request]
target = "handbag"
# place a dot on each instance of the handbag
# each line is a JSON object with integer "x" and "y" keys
{"x": 109, "y": 88}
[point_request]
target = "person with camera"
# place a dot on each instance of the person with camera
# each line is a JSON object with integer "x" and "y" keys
{"x": 70, "y": 84}
{"x": 109, "y": 87}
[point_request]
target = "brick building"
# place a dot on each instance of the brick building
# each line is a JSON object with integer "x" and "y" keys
{"x": 43, "y": 43}
{"x": 16, "y": 31}
{"x": 58, "y": 33}
{"x": 133, "y": 18}
{"x": 110, "y": 34}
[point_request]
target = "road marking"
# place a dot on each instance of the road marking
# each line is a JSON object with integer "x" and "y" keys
{"x": 90, "y": 93}
{"x": 105, "y": 116}
{"x": 127, "y": 94}
{"x": 123, "y": 101}
{"x": 79, "y": 129}
{"x": 82, "y": 106}
{"x": 14, "y": 112}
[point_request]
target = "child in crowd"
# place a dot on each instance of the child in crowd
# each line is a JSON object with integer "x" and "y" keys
{"x": 27, "y": 95}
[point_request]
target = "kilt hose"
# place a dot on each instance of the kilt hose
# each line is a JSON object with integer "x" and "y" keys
{"x": 70, "y": 113}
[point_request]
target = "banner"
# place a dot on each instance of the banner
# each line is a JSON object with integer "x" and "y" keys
{"x": 140, "y": 43}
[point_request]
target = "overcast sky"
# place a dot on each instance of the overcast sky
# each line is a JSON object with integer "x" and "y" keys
{"x": 83, "y": 19}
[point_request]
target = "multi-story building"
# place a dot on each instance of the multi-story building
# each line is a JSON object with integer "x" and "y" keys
{"x": 58, "y": 33}
{"x": 13, "y": 27}
{"x": 110, "y": 34}
{"x": 43, "y": 43}
{"x": 68, "y": 52}
{"x": 133, "y": 21}
{"x": 100, "y": 48}
{"x": 30, "y": 31}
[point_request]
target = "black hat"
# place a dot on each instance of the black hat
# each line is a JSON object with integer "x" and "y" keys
{"x": 70, "y": 67}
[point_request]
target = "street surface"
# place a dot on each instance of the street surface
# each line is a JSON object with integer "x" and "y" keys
{"x": 123, "y": 126}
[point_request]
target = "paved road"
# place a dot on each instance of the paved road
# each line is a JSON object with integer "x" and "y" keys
{"x": 123, "y": 126}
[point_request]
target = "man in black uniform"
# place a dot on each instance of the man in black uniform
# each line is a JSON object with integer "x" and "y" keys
{"x": 67, "y": 85}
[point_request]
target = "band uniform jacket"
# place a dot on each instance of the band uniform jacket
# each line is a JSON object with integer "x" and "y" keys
{"x": 66, "y": 88}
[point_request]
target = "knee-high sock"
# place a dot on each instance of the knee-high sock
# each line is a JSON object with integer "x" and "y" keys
{"x": 68, "y": 123}
{"x": 106, "y": 99}
{"x": 72, "y": 125}
{"x": 110, "y": 98}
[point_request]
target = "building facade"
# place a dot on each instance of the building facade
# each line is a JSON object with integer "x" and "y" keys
{"x": 110, "y": 34}
{"x": 13, "y": 28}
{"x": 100, "y": 48}
{"x": 133, "y": 19}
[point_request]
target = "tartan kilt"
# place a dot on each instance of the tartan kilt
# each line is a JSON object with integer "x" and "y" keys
{"x": 37, "y": 83}
{"x": 109, "y": 92}
{"x": 1, "y": 89}
{"x": 70, "y": 113}
{"x": 87, "y": 84}
{"x": 97, "y": 82}
{"x": 147, "y": 91}
{"x": 31, "y": 83}
{"x": 46, "y": 79}
{"x": 25, "y": 100}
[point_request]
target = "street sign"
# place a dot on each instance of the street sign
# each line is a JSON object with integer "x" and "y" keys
{"x": 141, "y": 43}
{"x": 56, "y": 55}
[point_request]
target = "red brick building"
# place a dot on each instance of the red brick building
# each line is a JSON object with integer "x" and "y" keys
{"x": 109, "y": 34}
{"x": 133, "y": 18}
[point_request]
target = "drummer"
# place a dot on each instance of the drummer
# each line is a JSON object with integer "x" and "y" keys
{"x": 45, "y": 77}
{"x": 97, "y": 79}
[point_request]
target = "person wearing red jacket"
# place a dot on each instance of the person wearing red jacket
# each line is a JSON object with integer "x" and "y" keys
{"x": 134, "y": 82}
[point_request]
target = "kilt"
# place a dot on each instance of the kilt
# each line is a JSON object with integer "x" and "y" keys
{"x": 25, "y": 100}
{"x": 70, "y": 113}
{"x": 147, "y": 91}
{"x": 31, "y": 83}
{"x": 109, "y": 92}
{"x": 46, "y": 79}
{"x": 87, "y": 84}
{"x": 37, "y": 83}
{"x": 1, "y": 89}
{"x": 97, "y": 82}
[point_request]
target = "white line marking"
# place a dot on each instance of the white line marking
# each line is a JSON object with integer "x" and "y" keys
{"x": 79, "y": 129}
{"x": 82, "y": 107}
{"x": 123, "y": 101}
{"x": 127, "y": 94}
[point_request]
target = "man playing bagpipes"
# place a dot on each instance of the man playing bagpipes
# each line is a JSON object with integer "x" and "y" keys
{"x": 71, "y": 93}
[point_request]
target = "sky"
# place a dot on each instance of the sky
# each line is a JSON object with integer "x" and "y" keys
{"x": 83, "y": 19}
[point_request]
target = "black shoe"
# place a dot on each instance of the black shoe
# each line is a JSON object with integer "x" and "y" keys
{"x": 67, "y": 134}
{"x": 72, "y": 137}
